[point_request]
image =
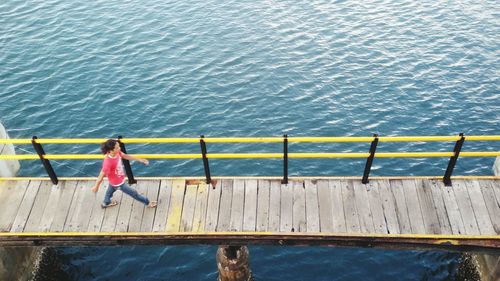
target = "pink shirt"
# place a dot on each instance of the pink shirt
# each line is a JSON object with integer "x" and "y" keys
{"x": 113, "y": 169}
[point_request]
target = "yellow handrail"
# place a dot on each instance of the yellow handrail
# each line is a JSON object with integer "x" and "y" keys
{"x": 256, "y": 155}
{"x": 253, "y": 139}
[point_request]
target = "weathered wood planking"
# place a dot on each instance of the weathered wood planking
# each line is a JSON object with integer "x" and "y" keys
{"x": 469, "y": 207}
{"x": 250, "y": 205}
{"x": 237, "y": 205}
{"x": 175, "y": 208}
{"x": 188, "y": 208}
{"x": 11, "y": 198}
{"x": 465, "y": 207}
{"x": 98, "y": 212}
{"x": 312, "y": 206}
{"x": 160, "y": 220}
{"x": 226, "y": 198}
{"x": 429, "y": 213}
{"x": 214, "y": 196}
{"x": 492, "y": 204}
{"x": 389, "y": 206}
{"x": 286, "y": 212}
{"x": 396, "y": 187}
{"x": 379, "y": 222}
{"x": 350, "y": 210}
{"x": 338, "y": 215}
{"x": 41, "y": 199}
{"x": 274, "y": 206}
{"x": 479, "y": 207}
{"x": 200, "y": 211}
{"x": 437, "y": 198}
{"x": 149, "y": 213}
{"x": 363, "y": 207}
{"x": 26, "y": 206}
{"x": 325, "y": 206}
{"x": 299, "y": 207}
{"x": 263, "y": 187}
{"x": 413, "y": 205}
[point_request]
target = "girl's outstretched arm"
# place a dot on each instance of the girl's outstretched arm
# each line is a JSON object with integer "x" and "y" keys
{"x": 95, "y": 188}
{"x": 130, "y": 157}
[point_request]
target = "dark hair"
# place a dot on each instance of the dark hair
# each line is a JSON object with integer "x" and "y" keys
{"x": 108, "y": 145}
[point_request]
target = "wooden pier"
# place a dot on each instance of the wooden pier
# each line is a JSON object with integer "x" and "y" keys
{"x": 386, "y": 212}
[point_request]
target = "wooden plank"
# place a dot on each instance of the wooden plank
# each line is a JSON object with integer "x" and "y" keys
{"x": 325, "y": 206}
{"x": 200, "y": 211}
{"x": 274, "y": 206}
{"x": 38, "y": 207}
{"x": 111, "y": 213}
{"x": 389, "y": 206}
{"x": 312, "y": 206}
{"x": 137, "y": 214}
{"x": 396, "y": 187}
{"x": 226, "y": 198}
{"x": 214, "y": 195}
{"x": 429, "y": 213}
{"x": 124, "y": 211}
{"x": 454, "y": 217}
{"x": 495, "y": 184}
{"x": 68, "y": 189}
{"x": 26, "y": 206}
{"x": 479, "y": 206}
{"x": 188, "y": 208}
{"x": 237, "y": 205}
{"x": 350, "y": 211}
{"x": 263, "y": 199}
{"x": 363, "y": 207}
{"x": 165, "y": 191}
{"x": 338, "y": 215}
{"x": 97, "y": 213}
{"x": 413, "y": 205}
{"x": 79, "y": 220}
{"x": 465, "y": 207}
{"x": 250, "y": 205}
{"x": 299, "y": 207}
{"x": 175, "y": 209}
{"x": 491, "y": 202}
{"x": 286, "y": 219}
{"x": 51, "y": 209}
{"x": 12, "y": 196}
{"x": 379, "y": 223}
{"x": 436, "y": 188}
{"x": 153, "y": 188}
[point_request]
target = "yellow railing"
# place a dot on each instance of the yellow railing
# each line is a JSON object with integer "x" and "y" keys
{"x": 255, "y": 139}
{"x": 285, "y": 155}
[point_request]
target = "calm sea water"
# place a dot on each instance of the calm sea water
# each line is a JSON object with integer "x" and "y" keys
{"x": 252, "y": 68}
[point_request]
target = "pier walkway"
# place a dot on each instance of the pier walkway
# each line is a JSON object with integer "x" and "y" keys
{"x": 386, "y": 212}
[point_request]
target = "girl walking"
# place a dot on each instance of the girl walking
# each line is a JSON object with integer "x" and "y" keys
{"x": 112, "y": 168}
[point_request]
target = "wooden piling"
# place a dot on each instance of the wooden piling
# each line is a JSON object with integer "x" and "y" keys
{"x": 233, "y": 263}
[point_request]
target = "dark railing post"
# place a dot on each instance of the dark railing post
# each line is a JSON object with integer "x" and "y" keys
{"x": 369, "y": 160}
{"x": 285, "y": 160}
{"x": 126, "y": 163}
{"x": 203, "y": 146}
{"x": 46, "y": 163}
{"x": 453, "y": 160}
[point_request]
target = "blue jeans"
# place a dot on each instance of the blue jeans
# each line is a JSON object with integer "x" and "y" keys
{"x": 125, "y": 189}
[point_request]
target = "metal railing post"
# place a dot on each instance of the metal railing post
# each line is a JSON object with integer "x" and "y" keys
{"x": 453, "y": 160}
{"x": 46, "y": 163}
{"x": 126, "y": 163}
{"x": 206, "y": 166}
{"x": 285, "y": 160}
{"x": 369, "y": 160}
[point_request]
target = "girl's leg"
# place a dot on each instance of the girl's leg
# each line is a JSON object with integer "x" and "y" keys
{"x": 132, "y": 192}
{"x": 109, "y": 194}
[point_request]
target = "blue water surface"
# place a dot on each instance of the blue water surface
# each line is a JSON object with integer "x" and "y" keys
{"x": 142, "y": 68}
